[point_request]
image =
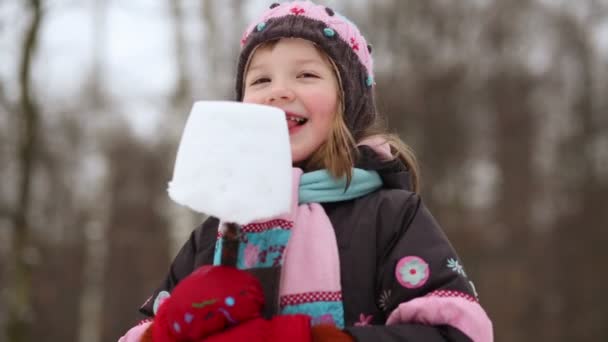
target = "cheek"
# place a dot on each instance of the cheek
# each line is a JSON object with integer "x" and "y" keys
{"x": 253, "y": 97}
{"x": 322, "y": 104}
{"x": 248, "y": 98}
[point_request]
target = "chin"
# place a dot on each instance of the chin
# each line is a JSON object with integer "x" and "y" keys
{"x": 297, "y": 157}
{"x": 298, "y": 161}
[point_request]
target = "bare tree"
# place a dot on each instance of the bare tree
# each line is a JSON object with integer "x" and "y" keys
{"x": 95, "y": 240}
{"x": 19, "y": 316}
{"x": 182, "y": 93}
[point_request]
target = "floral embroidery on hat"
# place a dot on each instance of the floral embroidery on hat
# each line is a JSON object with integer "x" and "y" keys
{"x": 412, "y": 272}
{"x": 297, "y": 10}
{"x": 354, "y": 44}
{"x": 364, "y": 320}
{"x": 455, "y": 266}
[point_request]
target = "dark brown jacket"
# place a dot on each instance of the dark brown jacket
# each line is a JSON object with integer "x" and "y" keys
{"x": 373, "y": 233}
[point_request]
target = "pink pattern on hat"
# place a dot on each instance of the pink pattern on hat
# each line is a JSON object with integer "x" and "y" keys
{"x": 347, "y": 31}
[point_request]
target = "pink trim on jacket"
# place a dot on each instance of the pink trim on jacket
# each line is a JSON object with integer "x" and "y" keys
{"x": 459, "y": 312}
{"x": 135, "y": 334}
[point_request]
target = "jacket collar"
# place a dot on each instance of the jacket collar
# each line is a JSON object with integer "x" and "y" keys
{"x": 394, "y": 173}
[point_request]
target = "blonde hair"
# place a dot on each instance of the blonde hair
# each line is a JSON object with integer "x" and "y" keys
{"x": 339, "y": 152}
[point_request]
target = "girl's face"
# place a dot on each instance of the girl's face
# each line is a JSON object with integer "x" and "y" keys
{"x": 294, "y": 76}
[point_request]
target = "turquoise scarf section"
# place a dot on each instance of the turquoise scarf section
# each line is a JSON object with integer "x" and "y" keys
{"x": 320, "y": 187}
{"x": 263, "y": 245}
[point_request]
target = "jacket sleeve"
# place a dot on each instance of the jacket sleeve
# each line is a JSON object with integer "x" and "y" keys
{"x": 422, "y": 289}
{"x": 197, "y": 251}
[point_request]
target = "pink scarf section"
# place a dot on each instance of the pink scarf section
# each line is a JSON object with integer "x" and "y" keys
{"x": 311, "y": 265}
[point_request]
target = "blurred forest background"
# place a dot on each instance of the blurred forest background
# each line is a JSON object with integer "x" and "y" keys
{"x": 505, "y": 103}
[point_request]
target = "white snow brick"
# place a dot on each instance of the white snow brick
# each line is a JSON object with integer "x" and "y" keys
{"x": 234, "y": 162}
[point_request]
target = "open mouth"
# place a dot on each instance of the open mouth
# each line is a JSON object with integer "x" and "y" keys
{"x": 294, "y": 120}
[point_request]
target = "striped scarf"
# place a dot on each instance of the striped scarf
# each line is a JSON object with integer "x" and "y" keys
{"x": 302, "y": 244}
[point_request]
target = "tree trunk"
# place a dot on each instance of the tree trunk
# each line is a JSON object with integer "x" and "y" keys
{"x": 19, "y": 311}
{"x": 182, "y": 94}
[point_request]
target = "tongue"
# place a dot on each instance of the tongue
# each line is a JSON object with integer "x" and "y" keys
{"x": 291, "y": 124}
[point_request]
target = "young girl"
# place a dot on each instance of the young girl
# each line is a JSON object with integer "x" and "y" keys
{"x": 359, "y": 250}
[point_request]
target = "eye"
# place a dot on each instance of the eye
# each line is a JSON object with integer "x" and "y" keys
{"x": 260, "y": 80}
{"x": 308, "y": 75}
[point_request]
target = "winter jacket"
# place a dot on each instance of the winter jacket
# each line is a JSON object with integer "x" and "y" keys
{"x": 392, "y": 252}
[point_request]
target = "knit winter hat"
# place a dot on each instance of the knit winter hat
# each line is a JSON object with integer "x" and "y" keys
{"x": 338, "y": 37}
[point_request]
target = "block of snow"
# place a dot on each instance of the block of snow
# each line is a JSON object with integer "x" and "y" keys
{"x": 234, "y": 162}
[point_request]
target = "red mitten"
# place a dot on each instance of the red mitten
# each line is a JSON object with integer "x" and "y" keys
{"x": 209, "y": 300}
{"x": 292, "y": 328}
{"x": 329, "y": 333}
{"x": 255, "y": 330}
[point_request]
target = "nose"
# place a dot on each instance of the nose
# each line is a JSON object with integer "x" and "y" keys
{"x": 280, "y": 93}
